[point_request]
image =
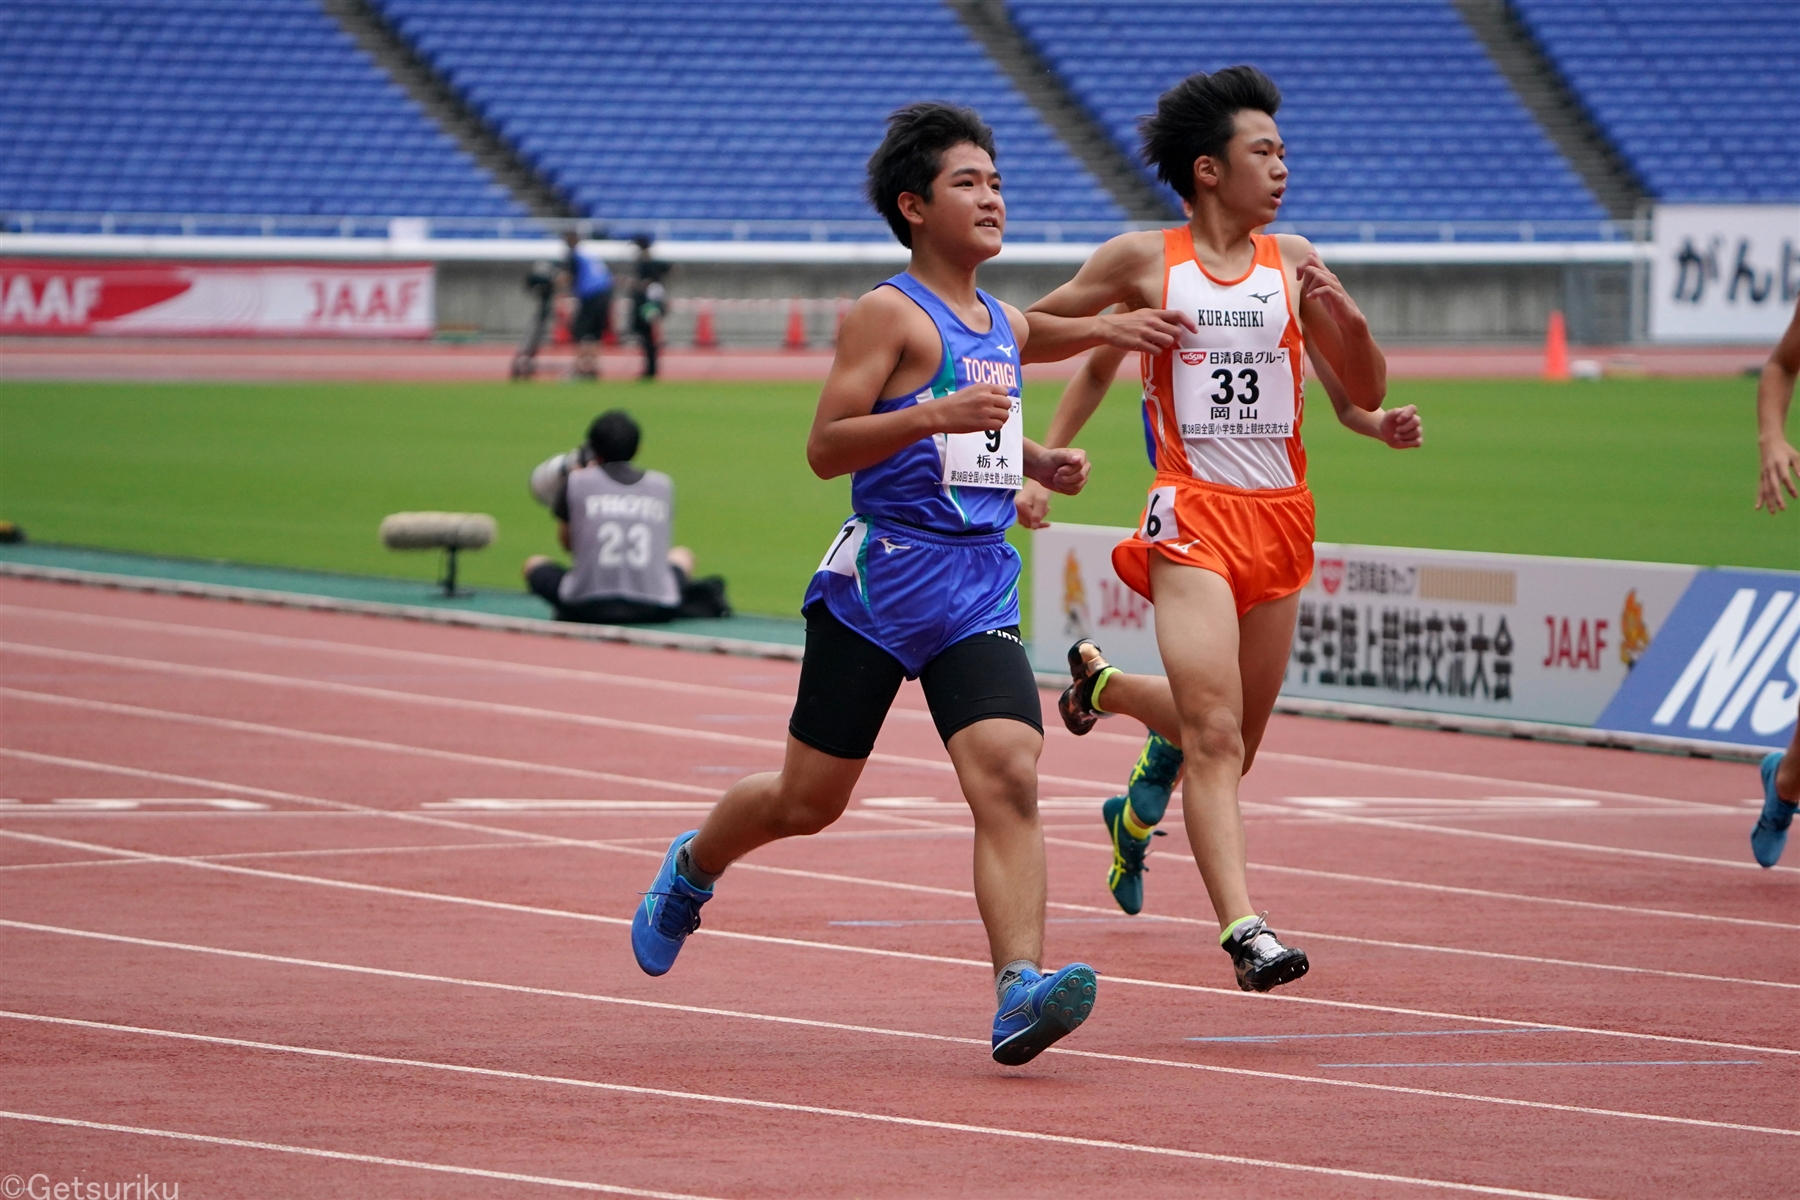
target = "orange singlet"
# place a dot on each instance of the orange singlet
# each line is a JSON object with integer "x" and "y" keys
{"x": 1224, "y": 407}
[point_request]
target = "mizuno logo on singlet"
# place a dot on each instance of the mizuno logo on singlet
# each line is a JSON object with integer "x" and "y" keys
{"x": 1235, "y": 318}
{"x": 1265, "y": 297}
{"x": 890, "y": 545}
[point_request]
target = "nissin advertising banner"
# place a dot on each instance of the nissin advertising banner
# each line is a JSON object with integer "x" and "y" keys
{"x": 1724, "y": 668}
{"x": 1650, "y": 648}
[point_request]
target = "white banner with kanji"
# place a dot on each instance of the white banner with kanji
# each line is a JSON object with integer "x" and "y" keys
{"x": 1502, "y": 635}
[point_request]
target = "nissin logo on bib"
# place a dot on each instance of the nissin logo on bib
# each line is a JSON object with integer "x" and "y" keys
{"x": 1725, "y": 666}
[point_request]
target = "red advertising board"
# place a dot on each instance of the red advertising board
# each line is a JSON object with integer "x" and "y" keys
{"x": 199, "y": 299}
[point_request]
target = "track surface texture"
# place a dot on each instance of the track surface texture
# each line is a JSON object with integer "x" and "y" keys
{"x": 310, "y": 904}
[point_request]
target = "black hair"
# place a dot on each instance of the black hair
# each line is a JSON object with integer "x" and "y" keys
{"x": 912, "y": 154}
{"x": 1196, "y": 118}
{"x": 614, "y": 436}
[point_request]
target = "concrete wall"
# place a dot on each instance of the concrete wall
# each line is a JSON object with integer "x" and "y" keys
{"x": 1405, "y": 304}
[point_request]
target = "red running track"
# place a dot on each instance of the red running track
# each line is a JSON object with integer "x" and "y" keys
{"x": 298, "y": 903}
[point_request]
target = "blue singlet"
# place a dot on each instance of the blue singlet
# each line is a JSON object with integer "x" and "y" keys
{"x": 923, "y": 564}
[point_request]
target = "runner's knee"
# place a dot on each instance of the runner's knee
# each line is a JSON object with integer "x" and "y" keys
{"x": 1005, "y": 785}
{"x": 804, "y": 814}
{"x": 1216, "y": 736}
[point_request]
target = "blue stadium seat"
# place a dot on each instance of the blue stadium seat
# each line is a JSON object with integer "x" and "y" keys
{"x": 658, "y": 109}
{"x": 1391, "y": 109}
{"x": 1702, "y": 100}
{"x": 214, "y": 106}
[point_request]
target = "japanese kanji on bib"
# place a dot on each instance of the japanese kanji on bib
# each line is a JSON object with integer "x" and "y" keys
{"x": 1224, "y": 404}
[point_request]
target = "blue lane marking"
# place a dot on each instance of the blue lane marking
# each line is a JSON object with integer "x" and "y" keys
{"x": 1677, "y": 1062}
{"x": 1309, "y": 1037}
{"x": 977, "y": 921}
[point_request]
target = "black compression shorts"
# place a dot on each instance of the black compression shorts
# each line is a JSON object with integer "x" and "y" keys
{"x": 848, "y": 683}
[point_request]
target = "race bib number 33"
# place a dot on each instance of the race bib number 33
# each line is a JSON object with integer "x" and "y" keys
{"x": 1234, "y": 393}
{"x": 993, "y": 459}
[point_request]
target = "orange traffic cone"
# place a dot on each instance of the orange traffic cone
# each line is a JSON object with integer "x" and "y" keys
{"x": 1556, "y": 347}
{"x": 796, "y": 327}
{"x": 705, "y": 336}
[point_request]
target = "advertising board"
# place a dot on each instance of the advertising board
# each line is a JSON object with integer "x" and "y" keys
{"x": 1725, "y": 667}
{"x": 1499, "y": 635}
{"x": 1724, "y": 272}
{"x": 196, "y": 299}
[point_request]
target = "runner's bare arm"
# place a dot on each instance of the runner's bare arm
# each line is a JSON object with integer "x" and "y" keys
{"x": 1333, "y": 323}
{"x": 847, "y": 434}
{"x": 1124, "y": 271}
{"x": 1774, "y": 395}
{"x": 1400, "y": 428}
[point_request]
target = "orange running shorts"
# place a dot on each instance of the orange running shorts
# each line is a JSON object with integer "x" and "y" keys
{"x": 1261, "y": 542}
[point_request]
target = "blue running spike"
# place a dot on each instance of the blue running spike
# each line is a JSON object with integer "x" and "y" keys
{"x": 1041, "y": 1010}
{"x": 1769, "y": 837}
{"x": 670, "y": 911}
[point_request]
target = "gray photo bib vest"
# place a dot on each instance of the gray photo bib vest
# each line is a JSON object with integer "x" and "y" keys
{"x": 619, "y": 534}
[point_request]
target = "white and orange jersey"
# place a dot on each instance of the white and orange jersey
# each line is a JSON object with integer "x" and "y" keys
{"x": 1224, "y": 405}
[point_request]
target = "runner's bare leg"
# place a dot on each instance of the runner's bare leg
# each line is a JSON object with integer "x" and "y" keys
{"x": 996, "y": 763}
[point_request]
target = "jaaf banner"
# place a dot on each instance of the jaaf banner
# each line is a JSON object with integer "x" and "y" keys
{"x": 1724, "y": 272}
{"x": 195, "y": 299}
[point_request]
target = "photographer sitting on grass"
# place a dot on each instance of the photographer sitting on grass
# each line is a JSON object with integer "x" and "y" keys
{"x": 615, "y": 519}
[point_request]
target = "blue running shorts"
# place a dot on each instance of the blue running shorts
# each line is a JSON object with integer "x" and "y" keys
{"x": 914, "y": 593}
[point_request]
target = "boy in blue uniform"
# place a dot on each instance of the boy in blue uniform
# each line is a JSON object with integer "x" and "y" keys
{"x": 922, "y": 408}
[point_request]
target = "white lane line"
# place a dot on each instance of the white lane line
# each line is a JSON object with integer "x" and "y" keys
{"x": 766, "y": 1105}
{"x": 494, "y": 708}
{"x": 338, "y": 739}
{"x": 966, "y": 894}
{"x": 392, "y": 654}
{"x": 845, "y": 1027}
{"x": 650, "y": 852}
{"x": 1747, "y": 864}
{"x": 1483, "y": 894}
{"x": 346, "y": 851}
{"x": 580, "y": 1185}
{"x": 851, "y": 948}
{"x": 784, "y": 697}
{"x": 1351, "y": 764}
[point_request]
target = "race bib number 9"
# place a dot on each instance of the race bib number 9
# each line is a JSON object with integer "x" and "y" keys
{"x": 994, "y": 459}
{"x": 1234, "y": 393}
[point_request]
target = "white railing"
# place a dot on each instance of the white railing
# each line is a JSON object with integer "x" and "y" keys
{"x": 423, "y": 229}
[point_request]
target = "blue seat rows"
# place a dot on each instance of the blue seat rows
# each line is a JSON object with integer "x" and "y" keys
{"x": 215, "y": 106}
{"x": 665, "y": 109}
{"x": 669, "y": 109}
{"x": 1391, "y": 109}
{"x": 1701, "y": 100}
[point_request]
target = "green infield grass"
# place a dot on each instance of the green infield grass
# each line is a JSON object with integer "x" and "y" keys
{"x": 301, "y": 474}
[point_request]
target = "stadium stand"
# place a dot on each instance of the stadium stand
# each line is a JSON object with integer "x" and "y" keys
{"x": 214, "y": 106}
{"x": 1391, "y": 110}
{"x": 1702, "y": 100}
{"x": 663, "y": 109}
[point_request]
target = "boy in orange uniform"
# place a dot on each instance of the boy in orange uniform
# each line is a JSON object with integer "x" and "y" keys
{"x": 1225, "y": 542}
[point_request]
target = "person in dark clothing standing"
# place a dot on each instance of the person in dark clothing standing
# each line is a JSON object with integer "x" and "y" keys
{"x": 649, "y": 301}
{"x": 591, "y": 283}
